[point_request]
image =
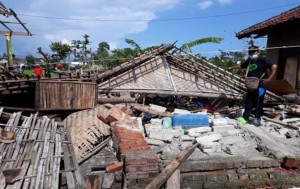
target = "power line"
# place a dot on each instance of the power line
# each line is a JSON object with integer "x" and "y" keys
{"x": 242, "y": 50}
{"x": 159, "y": 20}
{"x": 203, "y": 52}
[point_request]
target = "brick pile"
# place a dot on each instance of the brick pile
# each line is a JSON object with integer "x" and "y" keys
{"x": 130, "y": 144}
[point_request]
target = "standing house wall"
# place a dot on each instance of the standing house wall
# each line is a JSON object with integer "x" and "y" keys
{"x": 65, "y": 95}
{"x": 286, "y": 36}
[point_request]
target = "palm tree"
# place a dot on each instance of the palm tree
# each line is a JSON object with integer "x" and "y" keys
{"x": 137, "y": 47}
{"x": 187, "y": 46}
{"x": 103, "y": 49}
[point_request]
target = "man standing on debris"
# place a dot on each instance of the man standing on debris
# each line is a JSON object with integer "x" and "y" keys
{"x": 38, "y": 71}
{"x": 261, "y": 68}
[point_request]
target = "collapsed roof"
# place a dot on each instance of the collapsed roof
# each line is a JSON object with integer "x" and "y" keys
{"x": 168, "y": 72}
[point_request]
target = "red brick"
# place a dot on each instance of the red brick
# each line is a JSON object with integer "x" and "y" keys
{"x": 136, "y": 161}
{"x": 141, "y": 175}
{"x": 297, "y": 164}
{"x": 113, "y": 167}
{"x": 116, "y": 114}
{"x": 101, "y": 115}
{"x": 142, "y": 168}
{"x": 135, "y": 149}
{"x": 288, "y": 162}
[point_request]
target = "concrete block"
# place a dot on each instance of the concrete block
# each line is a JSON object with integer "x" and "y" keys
{"x": 222, "y": 128}
{"x": 154, "y": 142}
{"x": 164, "y": 135}
{"x": 209, "y": 138}
{"x": 156, "y": 121}
{"x": 157, "y": 108}
{"x": 235, "y": 132}
{"x": 198, "y": 131}
{"x": 181, "y": 111}
{"x": 231, "y": 122}
{"x": 219, "y": 121}
{"x": 229, "y": 150}
{"x": 187, "y": 138}
{"x": 283, "y": 131}
{"x": 108, "y": 180}
{"x": 140, "y": 124}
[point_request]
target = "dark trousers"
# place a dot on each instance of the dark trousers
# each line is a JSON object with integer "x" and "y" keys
{"x": 254, "y": 99}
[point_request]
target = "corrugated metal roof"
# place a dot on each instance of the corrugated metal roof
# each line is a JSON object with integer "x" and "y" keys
{"x": 262, "y": 28}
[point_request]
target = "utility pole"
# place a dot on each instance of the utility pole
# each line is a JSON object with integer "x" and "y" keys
{"x": 9, "y": 32}
{"x": 9, "y": 48}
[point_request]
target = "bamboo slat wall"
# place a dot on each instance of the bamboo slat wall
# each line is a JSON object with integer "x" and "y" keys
{"x": 65, "y": 95}
{"x": 87, "y": 131}
{"x": 34, "y": 159}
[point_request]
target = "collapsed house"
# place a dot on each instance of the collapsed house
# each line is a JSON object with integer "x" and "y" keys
{"x": 152, "y": 148}
{"x": 131, "y": 143}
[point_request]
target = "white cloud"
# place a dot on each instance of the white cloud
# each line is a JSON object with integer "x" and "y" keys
{"x": 225, "y": 1}
{"x": 89, "y": 14}
{"x": 205, "y": 4}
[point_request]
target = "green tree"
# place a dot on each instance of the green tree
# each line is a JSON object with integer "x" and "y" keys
{"x": 227, "y": 59}
{"x": 61, "y": 50}
{"x": 103, "y": 49}
{"x": 80, "y": 48}
{"x": 188, "y": 46}
{"x": 76, "y": 45}
{"x": 29, "y": 59}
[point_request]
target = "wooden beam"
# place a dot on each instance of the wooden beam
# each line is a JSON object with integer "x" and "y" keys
{"x": 14, "y": 33}
{"x": 158, "y": 181}
{"x": 147, "y": 109}
{"x": 116, "y": 100}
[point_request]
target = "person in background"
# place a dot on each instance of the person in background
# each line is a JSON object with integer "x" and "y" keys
{"x": 258, "y": 67}
{"x": 38, "y": 71}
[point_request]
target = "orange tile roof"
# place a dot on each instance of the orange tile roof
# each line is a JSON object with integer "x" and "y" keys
{"x": 262, "y": 28}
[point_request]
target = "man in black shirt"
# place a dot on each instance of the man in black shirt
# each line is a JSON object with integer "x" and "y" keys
{"x": 258, "y": 67}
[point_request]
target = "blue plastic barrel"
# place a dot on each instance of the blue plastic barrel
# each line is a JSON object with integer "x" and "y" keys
{"x": 190, "y": 120}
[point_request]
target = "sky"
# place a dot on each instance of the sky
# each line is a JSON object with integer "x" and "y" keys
{"x": 147, "y": 22}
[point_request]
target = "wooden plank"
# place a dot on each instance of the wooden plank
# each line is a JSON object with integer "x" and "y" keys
{"x": 174, "y": 181}
{"x": 37, "y": 96}
{"x": 92, "y": 182}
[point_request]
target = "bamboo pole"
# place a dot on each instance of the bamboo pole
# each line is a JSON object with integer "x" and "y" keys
{"x": 148, "y": 110}
{"x": 281, "y": 123}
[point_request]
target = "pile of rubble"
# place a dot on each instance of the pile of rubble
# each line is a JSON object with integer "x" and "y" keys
{"x": 229, "y": 154}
